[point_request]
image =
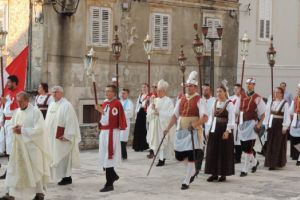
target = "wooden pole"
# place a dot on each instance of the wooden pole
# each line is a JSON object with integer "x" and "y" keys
{"x": 243, "y": 71}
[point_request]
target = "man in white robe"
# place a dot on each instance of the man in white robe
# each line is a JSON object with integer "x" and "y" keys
{"x": 129, "y": 110}
{"x": 28, "y": 169}
{"x": 64, "y": 136}
{"x": 159, "y": 115}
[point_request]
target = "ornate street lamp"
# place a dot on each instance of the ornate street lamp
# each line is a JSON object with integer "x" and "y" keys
{"x": 3, "y": 35}
{"x": 198, "y": 50}
{"x": 181, "y": 60}
{"x": 271, "y": 55}
{"x": 245, "y": 41}
{"x": 148, "y": 50}
{"x": 117, "y": 48}
{"x": 212, "y": 40}
{"x": 65, "y": 7}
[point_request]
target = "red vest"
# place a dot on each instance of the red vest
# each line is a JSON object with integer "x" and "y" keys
{"x": 297, "y": 105}
{"x": 189, "y": 108}
{"x": 249, "y": 107}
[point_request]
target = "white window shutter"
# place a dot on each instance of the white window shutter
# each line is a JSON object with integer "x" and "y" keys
{"x": 165, "y": 31}
{"x": 265, "y": 19}
{"x": 95, "y": 26}
{"x": 105, "y": 26}
{"x": 157, "y": 32}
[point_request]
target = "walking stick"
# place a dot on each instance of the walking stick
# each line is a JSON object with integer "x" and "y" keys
{"x": 162, "y": 140}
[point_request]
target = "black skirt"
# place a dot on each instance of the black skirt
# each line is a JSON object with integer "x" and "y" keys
{"x": 220, "y": 153}
{"x": 277, "y": 144}
{"x": 140, "y": 132}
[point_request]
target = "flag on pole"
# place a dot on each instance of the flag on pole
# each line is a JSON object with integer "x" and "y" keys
{"x": 17, "y": 67}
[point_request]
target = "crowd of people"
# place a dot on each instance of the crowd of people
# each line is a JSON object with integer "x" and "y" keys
{"x": 42, "y": 138}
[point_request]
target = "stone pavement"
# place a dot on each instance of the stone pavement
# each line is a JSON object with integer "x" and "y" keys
{"x": 164, "y": 183}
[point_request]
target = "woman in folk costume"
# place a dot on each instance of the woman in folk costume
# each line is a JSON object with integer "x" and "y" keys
{"x": 159, "y": 114}
{"x": 277, "y": 121}
{"x": 43, "y": 99}
{"x": 295, "y": 127}
{"x": 112, "y": 121}
{"x": 140, "y": 130}
{"x": 220, "y": 146}
{"x": 191, "y": 113}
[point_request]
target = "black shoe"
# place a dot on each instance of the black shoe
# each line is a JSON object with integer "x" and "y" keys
{"x": 184, "y": 187}
{"x": 7, "y": 197}
{"x": 243, "y": 174}
{"x": 161, "y": 163}
{"x": 212, "y": 178}
{"x": 195, "y": 175}
{"x": 66, "y": 181}
{"x": 39, "y": 197}
{"x": 107, "y": 189}
{"x": 222, "y": 179}
{"x": 255, "y": 167}
{"x": 298, "y": 163}
{"x": 3, "y": 176}
{"x": 272, "y": 168}
{"x": 151, "y": 154}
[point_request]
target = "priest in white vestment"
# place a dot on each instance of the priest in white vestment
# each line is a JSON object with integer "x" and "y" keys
{"x": 28, "y": 168}
{"x": 64, "y": 136}
{"x": 159, "y": 114}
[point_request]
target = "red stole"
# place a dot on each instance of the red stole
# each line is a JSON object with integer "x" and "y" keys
{"x": 117, "y": 120}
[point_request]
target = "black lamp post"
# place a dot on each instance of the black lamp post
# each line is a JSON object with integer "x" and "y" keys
{"x": 271, "y": 54}
{"x": 198, "y": 50}
{"x": 212, "y": 40}
{"x": 116, "y": 48}
{"x": 181, "y": 60}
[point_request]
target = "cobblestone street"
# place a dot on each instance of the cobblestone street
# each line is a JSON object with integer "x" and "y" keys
{"x": 164, "y": 183}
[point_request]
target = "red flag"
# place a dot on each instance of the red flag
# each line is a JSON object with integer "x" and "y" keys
{"x": 18, "y": 67}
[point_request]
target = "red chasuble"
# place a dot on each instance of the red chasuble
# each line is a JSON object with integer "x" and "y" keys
{"x": 117, "y": 120}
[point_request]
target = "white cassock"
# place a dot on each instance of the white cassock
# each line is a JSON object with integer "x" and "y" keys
{"x": 65, "y": 154}
{"x": 157, "y": 125}
{"x": 28, "y": 168}
{"x": 128, "y": 109}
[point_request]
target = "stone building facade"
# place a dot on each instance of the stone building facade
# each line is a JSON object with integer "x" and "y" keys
{"x": 61, "y": 42}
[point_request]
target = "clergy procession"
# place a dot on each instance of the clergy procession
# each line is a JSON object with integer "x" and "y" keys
{"x": 40, "y": 135}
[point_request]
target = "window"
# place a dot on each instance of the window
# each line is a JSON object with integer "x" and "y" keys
{"x": 212, "y": 24}
{"x": 90, "y": 115}
{"x": 265, "y": 16}
{"x": 100, "y": 26}
{"x": 3, "y": 17}
{"x": 161, "y": 31}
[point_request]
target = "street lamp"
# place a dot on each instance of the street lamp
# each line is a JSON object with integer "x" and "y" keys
{"x": 148, "y": 50}
{"x": 2, "y": 45}
{"x": 271, "y": 54}
{"x": 181, "y": 60}
{"x": 65, "y": 7}
{"x": 212, "y": 40}
{"x": 244, "y": 52}
{"x": 198, "y": 50}
{"x": 116, "y": 48}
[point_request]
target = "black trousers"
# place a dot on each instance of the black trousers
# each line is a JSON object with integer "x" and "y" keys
{"x": 110, "y": 176}
{"x": 238, "y": 152}
{"x": 124, "y": 150}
